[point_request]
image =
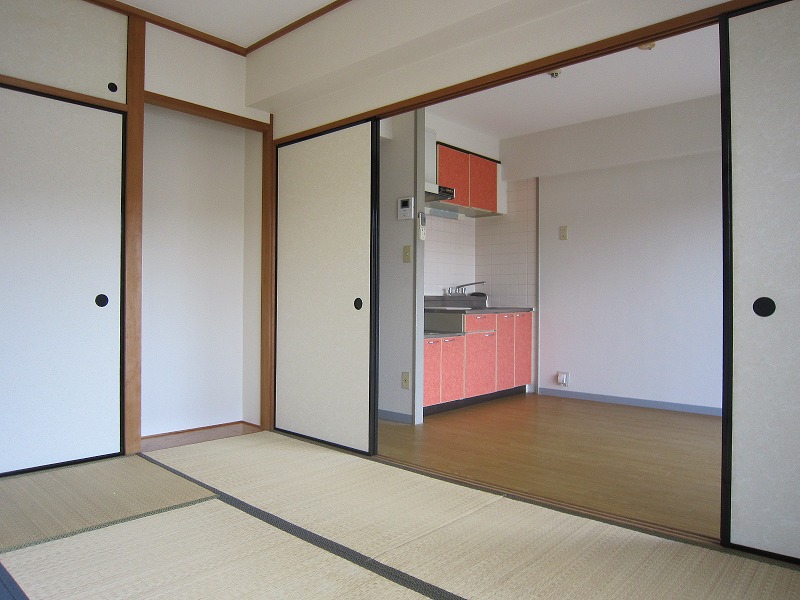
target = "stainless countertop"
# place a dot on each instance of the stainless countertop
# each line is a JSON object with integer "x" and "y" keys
{"x": 478, "y": 311}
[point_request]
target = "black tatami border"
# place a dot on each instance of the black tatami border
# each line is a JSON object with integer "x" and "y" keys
{"x": 362, "y": 560}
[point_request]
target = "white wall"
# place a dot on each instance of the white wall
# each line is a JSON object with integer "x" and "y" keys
{"x": 196, "y": 250}
{"x": 631, "y": 303}
{"x": 251, "y": 272}
{"x": 679, "y": 129}
{"x": 386, "y": 52}
{"x": 397, "y": 278}
{"x": 187, "y": 69}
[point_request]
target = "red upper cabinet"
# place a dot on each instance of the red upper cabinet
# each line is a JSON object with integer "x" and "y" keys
{"x": 523, "y": 343}
{"x": 473, "y": 177}
{"x": 453, "y": 166}
{"x": 482, "y": 183}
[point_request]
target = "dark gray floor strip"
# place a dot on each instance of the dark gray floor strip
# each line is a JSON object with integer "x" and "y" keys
{"x": 9, "y": 589}
{"x": 362, "y": 560}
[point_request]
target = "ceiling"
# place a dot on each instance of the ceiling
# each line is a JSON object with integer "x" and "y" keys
{"x": 243, "y": 22}
{"x": 680, "y": 68}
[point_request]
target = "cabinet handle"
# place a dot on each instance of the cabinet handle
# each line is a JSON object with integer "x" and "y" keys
{"x": 433, "y": 341}
{"x": 488, "y": 335}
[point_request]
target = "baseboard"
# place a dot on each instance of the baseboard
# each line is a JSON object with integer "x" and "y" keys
{"x": 388, "y": 415}
{"x": 454, "y": 404}
{"x": 676, "y": 406}
{"x": 194, "y": 429}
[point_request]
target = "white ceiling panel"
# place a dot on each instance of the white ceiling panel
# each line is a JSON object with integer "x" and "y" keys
{"x": 243, "y": 22}
{"x": 680, "y": 68}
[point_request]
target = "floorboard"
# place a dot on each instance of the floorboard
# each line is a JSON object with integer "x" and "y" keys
{"x": 650, "y": 466}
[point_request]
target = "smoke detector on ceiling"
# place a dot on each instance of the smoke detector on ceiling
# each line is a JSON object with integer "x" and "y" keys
{"x": 647, "y": 46}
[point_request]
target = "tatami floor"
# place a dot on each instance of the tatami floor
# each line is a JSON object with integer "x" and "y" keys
{"x": 267, "y": 515}
{"x": 653, "y": 467}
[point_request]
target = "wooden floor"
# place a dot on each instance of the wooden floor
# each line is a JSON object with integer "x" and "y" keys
{"x": 654, "y": 467}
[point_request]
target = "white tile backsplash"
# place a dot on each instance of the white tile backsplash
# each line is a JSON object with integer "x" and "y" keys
{"x": 500, "y": 250}
{"x": 449, "y": 253}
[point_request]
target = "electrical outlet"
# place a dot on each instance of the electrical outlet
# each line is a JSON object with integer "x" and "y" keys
{"x": 407, "y": 254}
{"x": 405, "y": 380}
{"x": 562, "y": 378}
{"x": 562, "y": 233}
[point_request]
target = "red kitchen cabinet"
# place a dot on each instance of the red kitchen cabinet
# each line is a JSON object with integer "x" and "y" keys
{"x": 433, "y": 372}
{"x": 453, "y": 171}
{"x": 505, "y": 351}
{"x": 452, "y": 385}
{"x": 482, "y": 322}
{"x": 482, "y": 183}
{"x": 523, "y": 343}
{"x": 473, "y": 177}
{"x": 481, "y": 363}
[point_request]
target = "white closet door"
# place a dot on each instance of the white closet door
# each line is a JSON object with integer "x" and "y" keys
{"x": 765, "y": 195}
{"x": 324, "y": 303}
{"x": 60, "y": 250}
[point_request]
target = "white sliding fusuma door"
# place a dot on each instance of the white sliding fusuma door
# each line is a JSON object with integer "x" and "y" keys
{"x": 60, "y": 263}
{"x": 764, "y": 58}
{"x": 325, "y": 295}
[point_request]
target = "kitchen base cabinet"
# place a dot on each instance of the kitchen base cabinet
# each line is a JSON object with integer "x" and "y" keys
{"x": 481, "y": 367}
{"x": 433, "y": 372}
{"x": 505, "y": 351}
{"x": 452, "y": 387}
{"x": 523, "y": 348}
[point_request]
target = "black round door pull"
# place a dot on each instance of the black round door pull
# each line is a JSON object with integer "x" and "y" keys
{"x": 358, "y": 303}
{"x": 101, "y": 300}
{"x": 764, "y": 307}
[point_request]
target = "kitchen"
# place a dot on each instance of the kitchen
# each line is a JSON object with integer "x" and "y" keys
{"x": 621, "y": 315}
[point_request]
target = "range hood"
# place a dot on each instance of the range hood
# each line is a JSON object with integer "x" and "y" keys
{"x": 434, "y": 191}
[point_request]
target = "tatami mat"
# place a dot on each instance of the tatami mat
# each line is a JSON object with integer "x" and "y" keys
{"x": 56, "y": 502}
{"x": 207, "y": 550}
{"x": 364, "y": 505}
{"x": 470, "y": 543}
{"x": 511, "y": 549}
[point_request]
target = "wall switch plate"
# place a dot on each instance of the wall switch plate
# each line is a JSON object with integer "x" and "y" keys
{"x": 562, "y": 232}
{"x": 406, "y": 254}
{"x": 405, "y": 380}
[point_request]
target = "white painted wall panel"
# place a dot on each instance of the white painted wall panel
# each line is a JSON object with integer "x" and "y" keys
{"x": 68, "y": 44}
{"x": 631, "y": 302}
{"x": 397, "y": 278}
{"x": 60, "y": 246}
{"x": 323, "y": 342}
{"x": 181, "y": 67}
{"x": 194, "y": 245}
{"x": 765, "y": 136}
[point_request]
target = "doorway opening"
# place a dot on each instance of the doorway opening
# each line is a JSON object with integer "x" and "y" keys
{"x": 621, "y": 156}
